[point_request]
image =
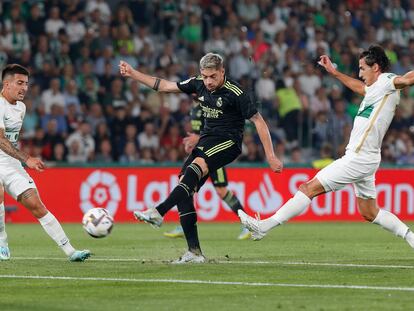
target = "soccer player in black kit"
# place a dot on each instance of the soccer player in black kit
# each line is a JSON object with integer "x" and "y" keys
{"x": 225, "y": 108}
{"x": 218, "y": 178}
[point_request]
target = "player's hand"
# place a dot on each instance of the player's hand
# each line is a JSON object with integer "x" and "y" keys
{"x": 275, "y": 164}
{"x": 326, "y": 63}
{"x": 125, "y": 69}
{"x": 190, "y": 141}
{"x": 36, "y": 164}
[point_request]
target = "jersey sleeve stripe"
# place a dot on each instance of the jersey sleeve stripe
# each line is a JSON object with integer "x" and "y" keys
{"x": 237, "y": 89}
{"x": 233, "y": 88}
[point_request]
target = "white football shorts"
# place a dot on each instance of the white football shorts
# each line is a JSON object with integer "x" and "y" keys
{"x": 353, "y": 168}
{"x": 14, "y": 178}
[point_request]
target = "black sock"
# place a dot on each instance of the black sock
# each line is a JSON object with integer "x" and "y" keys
{"x": 232, "y": 201}
{"x": 183, "y": 190}
{"x": 188, "y": 220}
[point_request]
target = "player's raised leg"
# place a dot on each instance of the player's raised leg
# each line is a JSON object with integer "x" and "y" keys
{"x": 31, "y": 200}
{"x": 293, "y": 207}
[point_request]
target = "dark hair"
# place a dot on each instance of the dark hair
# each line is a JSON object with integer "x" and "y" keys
{"x": 13, "y": 69}
{"x": 376, "y": 54}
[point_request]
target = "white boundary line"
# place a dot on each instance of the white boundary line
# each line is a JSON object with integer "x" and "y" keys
{"x": 177, "y": 281}
{"x": 280, "y": 263}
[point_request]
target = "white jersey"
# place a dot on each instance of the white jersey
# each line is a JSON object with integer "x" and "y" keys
{"x": 374, "y": 116}
{"x": 11, "y": 120}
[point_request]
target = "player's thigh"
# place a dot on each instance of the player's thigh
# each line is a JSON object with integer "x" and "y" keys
{"x": 365, "y": 188}
{"x": 344, "y": 171}
{"x": 219, "y": 177}
{"x": 216, "y": 151}
{"x": 16, "y": 180}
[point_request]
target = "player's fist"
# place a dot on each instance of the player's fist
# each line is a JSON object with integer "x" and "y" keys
{"x": 326, "y": 63}
{"x": 275, "y": 164}
{"x": 125, "y": 69}
{"x": 35, "y": 163}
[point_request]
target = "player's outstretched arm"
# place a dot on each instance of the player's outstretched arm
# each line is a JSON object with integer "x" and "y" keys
{"x": 8, "y": 148}
{"x": 401, "y": 82}
{"x": 354, "y": 84}
{"x": 157, "y": 84}
{"x": 264, "y": 135}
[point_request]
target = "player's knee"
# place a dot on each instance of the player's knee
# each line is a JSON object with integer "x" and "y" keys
{"x": 305, "y": 189}
{"x": 202, "y": 164}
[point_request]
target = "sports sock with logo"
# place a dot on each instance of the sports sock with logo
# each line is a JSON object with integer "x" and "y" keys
{"x": 188, "y": 220}
{"x": 53, "y": 228}
{"x": 184, "y": 189}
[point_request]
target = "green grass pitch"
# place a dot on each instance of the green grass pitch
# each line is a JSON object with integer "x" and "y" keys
{"x": 299, "y": 266}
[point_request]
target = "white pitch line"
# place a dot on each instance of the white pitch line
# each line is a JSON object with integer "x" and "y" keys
{"x": 177, "y": 281}
{"x": 281, "y": 263}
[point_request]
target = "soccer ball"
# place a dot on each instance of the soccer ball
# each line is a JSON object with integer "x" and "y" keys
{"x": 97, "y": 222}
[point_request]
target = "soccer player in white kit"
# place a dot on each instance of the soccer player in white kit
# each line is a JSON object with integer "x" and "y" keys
{"x": 363, "y": 153}
{"x": 13, "y": 178}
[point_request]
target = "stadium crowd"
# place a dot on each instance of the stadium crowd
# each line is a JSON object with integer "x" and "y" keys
{"x": 79, "y": 109}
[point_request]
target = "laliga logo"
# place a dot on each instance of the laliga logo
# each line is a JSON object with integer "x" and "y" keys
{"x": 100, "y": 189}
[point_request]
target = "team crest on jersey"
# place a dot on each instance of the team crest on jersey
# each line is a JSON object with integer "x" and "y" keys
{"x": 219, "y": 102}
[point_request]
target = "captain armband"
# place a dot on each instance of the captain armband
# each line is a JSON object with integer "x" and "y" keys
{"x": 156, "y": 84}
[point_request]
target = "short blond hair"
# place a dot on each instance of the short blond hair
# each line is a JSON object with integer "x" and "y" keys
{"x": 211, "y": 61}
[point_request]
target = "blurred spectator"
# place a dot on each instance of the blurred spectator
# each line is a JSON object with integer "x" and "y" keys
{"x": 35, "y": 23}
{"x": 59, "y": 153}
{"x": 58, "y": 115}
{"x": 75, "y": 29}
{"x": 104, "y": 155}
{"x": 296, "y": 156}
{"x": 80, "y": 144}
{"x": 101, "y": 6}
{"x": 148, "y": 138}
{"x": 95, "y": 116}
{"x": 325, "y": 157}
{"x": 130, "y": 154}
{"x": 241, "y": 64}
{"x": 54, "y": 23}
{"x": 53, "y": 96}
{"x": 289, "y": 107}
{"x": 248, "y": 11}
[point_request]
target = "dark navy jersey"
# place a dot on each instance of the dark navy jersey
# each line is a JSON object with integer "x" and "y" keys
{"x": 224, "y": 110}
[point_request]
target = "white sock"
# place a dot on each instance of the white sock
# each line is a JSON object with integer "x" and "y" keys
{"x": 55, "y": 231}
{"x": 391, "y": 223}
{"x": 295, "y": 206}
{"x": 409, "y": 237}
{"x": 3, "y": 234}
